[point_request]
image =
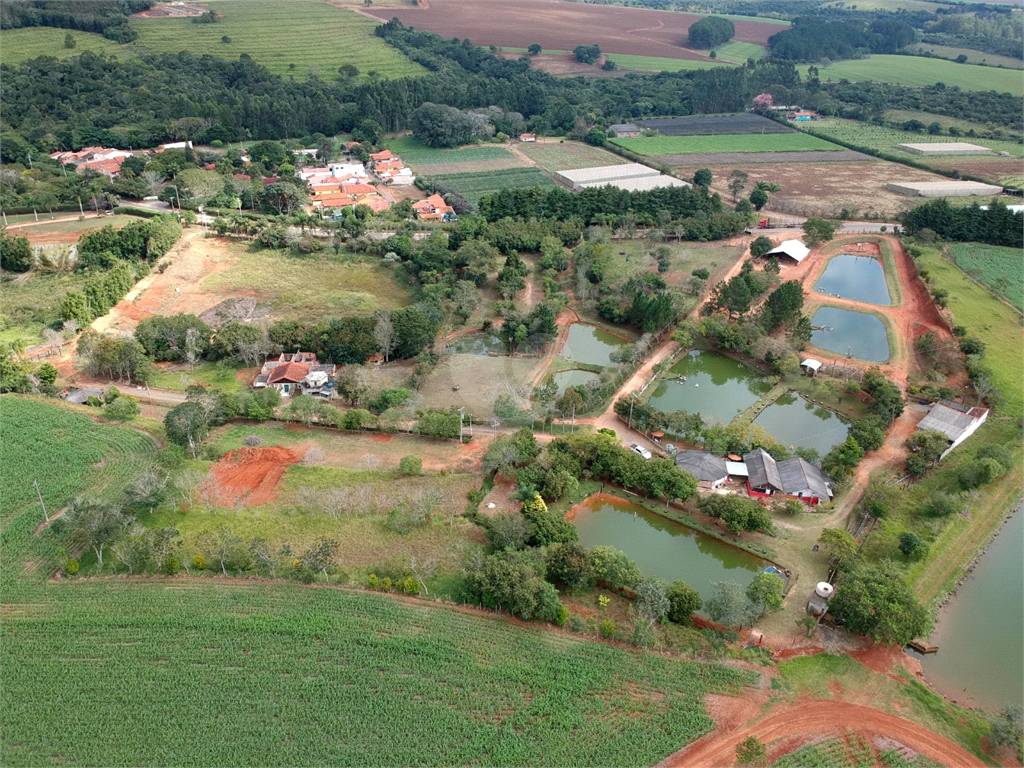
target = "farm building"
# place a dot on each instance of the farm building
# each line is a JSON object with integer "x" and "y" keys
{"x": 527, "y": 137}
{"x": 944, "y": 188}
{"x": 792, "y": 477}
{"x": 626, "y": 130}
{"x": 81, "y": 395}
{"x": 631, "y": 177}
{"x": 292, "y": 371}
{"x": 794, "y": 249}
{"x": 946, "y": 148}
{"x": 710, "y": 470}
{"x": 955, "y": 420}
{"x": 434, "y": 208}
{"x": 810, "y": 366}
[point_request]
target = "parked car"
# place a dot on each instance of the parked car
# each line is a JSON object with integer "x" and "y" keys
{"x": 640, "y": 451}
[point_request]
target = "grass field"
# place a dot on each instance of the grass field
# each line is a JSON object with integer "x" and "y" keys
{"x": 219, "y": 375}
{"x": 998, "y": 268}
{"x": 37, "y": 233}
{"x": 917, "y": 70}
{"x": 659, "y": 64}
{"x": 738, "y": 52}
{"x": 31, "y": 305}
{"x": 567, "y": 155}
{"x": 30, "y": 42}
{"x": 309, "y": 287}
{"x": 415, "y": 152}
{"x": 884, "y": 139}
{"x": 473, "y": 186}
{"x": 973, "y": 56}
{"x": 327, "y": 677}
{"x": 903, "y": 115}
{"x": 687, "y": 145}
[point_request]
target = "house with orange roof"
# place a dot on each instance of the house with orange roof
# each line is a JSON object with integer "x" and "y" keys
{"x": 434, "y": 208}
{"x": 385, "y": 154}
{"x": 297, "y": 373}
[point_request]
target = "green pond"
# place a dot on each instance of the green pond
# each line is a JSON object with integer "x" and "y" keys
{"x": 860, "y": 278}
{"x": 716, "y": 387}
{"x": 794, "y": 421}
{"x": 662, "y": 548}
{"x": 566, "y": 379}
{"x": 980, "y": 631}
{"x": 477, "y": 345}
{"x": 857, "y": 333}
{"x": 590, "y": 344}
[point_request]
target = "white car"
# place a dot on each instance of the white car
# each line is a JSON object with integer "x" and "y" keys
{"x": 640, "y": 451}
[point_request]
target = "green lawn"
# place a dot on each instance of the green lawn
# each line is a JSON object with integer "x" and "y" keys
{"x": 739, "y": 52}
{"x": 553, "y": 156}
{"x": 692, "y": 145}
{"x": 997, "y": 267}
{"x": 30, "y": 42}
{"x": 310, "y": 38}
{"x": 473, "y": 186}
{"x": 659, "y": 64}
{"x": 885, "y": 139}
{"x": 973, "y": 56}
{"x": 917, "y": 70}
{"x": 219, "y": 375}
{"x": 415, "y": 152}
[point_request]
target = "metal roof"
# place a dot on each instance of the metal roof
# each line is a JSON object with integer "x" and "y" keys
{"x": 607, "y": 173}
{"x": 810, "y": 362}
{"x": 704, "y": 466}
{"x": 736, "y": 468}
{"x": 795, "y": 249}
{"x": 949, "y": 421}
{"x": 762, "y": 470}
{"x": 799, "y": 475}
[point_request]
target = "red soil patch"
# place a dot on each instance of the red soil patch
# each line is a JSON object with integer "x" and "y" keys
{"x": 380, "y": 437}
{"x": 249, "y": 475}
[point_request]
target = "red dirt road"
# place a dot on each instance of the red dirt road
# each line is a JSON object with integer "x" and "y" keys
{"x": 248, "y": 475}
{"x": 562, "y": 26}
{"x": 808, "y": 719}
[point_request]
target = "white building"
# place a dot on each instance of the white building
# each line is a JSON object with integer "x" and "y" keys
{"x": 955, "y": 420}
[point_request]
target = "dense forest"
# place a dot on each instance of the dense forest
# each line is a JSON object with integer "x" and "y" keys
{"x": 814, "y": 39}
{"x": 104, "y": 17}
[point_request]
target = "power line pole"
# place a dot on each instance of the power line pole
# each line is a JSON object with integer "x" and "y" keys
{"x": 36, "y": 486}
{"x": 461, "y": 415}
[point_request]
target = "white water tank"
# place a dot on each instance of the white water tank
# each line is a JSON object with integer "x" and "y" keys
{"x": 824, "y": 589}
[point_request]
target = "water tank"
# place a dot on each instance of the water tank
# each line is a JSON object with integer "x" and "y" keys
{"x": 824, "y": 589}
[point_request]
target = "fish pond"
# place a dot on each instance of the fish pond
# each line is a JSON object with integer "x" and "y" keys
{"x": 477, "y": 345}
{"x": 660, "y": 547}
{"x": 566, "y": 379}
{"x": 794, "y": 421}
{"x": 591, "y": 345}
{"x": 860, "y": 278}
{"x": 842, "y": 331}
{"x": 715, "y": 386}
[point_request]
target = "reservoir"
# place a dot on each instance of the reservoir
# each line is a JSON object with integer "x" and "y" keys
{"x": 566, "y": 379}
{"x": 843, "y": 330}
{"x": 590, "y": 344}
{"x": 716, "y": 387}
{"x": 794, "y": 421}
{"x": 860, "y": 278}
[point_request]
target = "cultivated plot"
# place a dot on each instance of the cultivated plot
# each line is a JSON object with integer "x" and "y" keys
{"x": 658, "y": 146}
{"x": 713, "y": 125}
{"x": 554, "y": 156}
{"x": 473, "y": 186}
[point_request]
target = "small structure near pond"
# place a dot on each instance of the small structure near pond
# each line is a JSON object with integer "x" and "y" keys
{"x": 794, "y": 249}
{"x": 793, "y": 477}
{"x": 810, "y": 366}
{"x": 710, "y": 470}
{"x": 817, "y": 603}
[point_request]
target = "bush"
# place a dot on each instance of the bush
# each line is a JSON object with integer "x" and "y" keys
{"x": 253, "y": 441}
{"x": 71, "y": 567}
{"x": 385, "y": 584}
{"x": 684, "y": 601}
{"x": 410, "y": 586}
{"x": 999, "y": 453}
{"x": 606, "y": 628}
{"x": 122, "y": 409}
{"x": 373, "y": 582}
{"x": 410, "y": 465}
{"x": 979, "y": 472}
{"x": 171, "y": 566}
{"x": 199, "y": 562}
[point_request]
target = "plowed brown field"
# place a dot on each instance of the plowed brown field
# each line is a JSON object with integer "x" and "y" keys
{"x": 562, "y": 26}
{"x": 248, "y": 476}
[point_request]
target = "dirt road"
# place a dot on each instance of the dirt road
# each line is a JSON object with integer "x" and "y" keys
{"x": 810, "y": 719}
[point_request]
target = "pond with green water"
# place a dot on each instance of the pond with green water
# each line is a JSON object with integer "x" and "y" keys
{"x": 980, "y": 632}
{"x": 860, "y": 278}
{"x": 566, "y": 379}
{"x": 590, "y": 344}
{"x": 477, "y": 345}
{"x": 794, "y": 421}
{"x": 662, "y": 548}
{"x": 843, "y": 331}
{"x": 716, "y": 387}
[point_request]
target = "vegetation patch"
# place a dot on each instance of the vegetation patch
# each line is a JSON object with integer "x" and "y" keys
{"x": 997, "y": 267}
{"x": 473, "y": 186}
{"x": 30, "y": 42}
{"x": 883, "y": 139}
{"x": 568, "y": 155}
{"x": 689, "y": 145}
{"x": 415, "y": 152}
{"x": 917, "y": 71}
{"x": 659, "y": 64}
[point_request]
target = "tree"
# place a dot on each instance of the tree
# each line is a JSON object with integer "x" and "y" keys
{"x": 384, "y": 335}
{"x": 751, "y": 752}
{"x": 875, "y": 601}
{"x": 548, "y": 528}
{"x": 818, "y": 230}
{"x": 92, "y": 523}
{"x": 763, "y": 102}
{"x": 759, "y": 199}
{"x": 587, "y": 54}
{"x": 615, "y": 568}
{"x": 765, "y": 591}
{"x": 508, "y": 530}
{"x": 15, "y": 253}
{"x": 737, "y": 183}
{"x": 1007, "y": 728}
{"x": 703, "y": 177}
{"x": 710, "y": 32}
{"x": 784, "y": 304}
{"x": 410, "y": 465}
{"x": 760, "y": 247}
{"x": 729, "y": 605}
{"x": 534, "y": 49}
{"x": 839, "y": 544}
{"x": 302, "y": 408}
{"x": 569, "y": 565}
{"x": 122, "y": 409}
{"x": 69, "y": 41}
{"x": 909, "y": 543}
{"x": 684, "y": 601}
{"x": 187, "y": 425}
{"x": 652, "y": 603}
{"x": 226, "y": 550}
{"x": 318, "y": 558}
{"x": 146, "y": 491}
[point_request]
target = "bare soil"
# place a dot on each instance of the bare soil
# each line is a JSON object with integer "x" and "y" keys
{"x": 562, "y": 26}
{"x": 992, "y": 169}
{"x": 248, "y": 476}
{"x": 710, "y": 159}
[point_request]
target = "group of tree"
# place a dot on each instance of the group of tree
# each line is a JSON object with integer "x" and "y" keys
{"x": 815, "y": 39}
{"x": 737, "y": 513}
{"x": 104, "y": 17}
{"x": 644, "y": 302}
{"x": 997, "y": 225}
{"x": 710, "y": 32}
{"x": 587, "y": 54}
{"x": 138, "y": 241}
{"x": 867, "y": 433}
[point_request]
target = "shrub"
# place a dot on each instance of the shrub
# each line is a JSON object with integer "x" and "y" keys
{"x": 199, "y": 562}
{"x": 373, "y": 581}
{"x": 171, "y": 566}
{"x": 684, "y": 601}
{"x": 122, "y": 409}
{"x": 253, "y": 441}
{"x": 979, "y": 472}
{"x": 606, "y": 628}
{"x": 71, "y": 567}
{"x": 410, "y": 465}
{"x": 385, "y": 584}
{"x": 563, "y": 616}
{"x": 999, "y": 453}
{"x": 410, "y": 586}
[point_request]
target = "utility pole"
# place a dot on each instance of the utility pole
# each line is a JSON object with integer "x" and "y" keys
{"x": 36, "y": 486}
{"x": 631, "y": 401}
{"x": 471, "y": 426}
{"x": 461, "y": 415}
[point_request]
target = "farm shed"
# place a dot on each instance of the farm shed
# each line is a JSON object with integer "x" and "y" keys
{"x": 763, "y": 477}
{"x": 946, "y": 148}
{"x": 955, "y": 420}
{"x": 794, "y": 249}
{"x": 527, "y": 137}
{"x": 736, "y": 468}
{"x": 804, "y": 481}
{"x": 626, "y": 130}
{"x": 710, "y": 470}
{"x": 944, "y": 188}
{"x": 79, "y": 396}
{"x": 810, "y": 366}
{"x": 602, "y": 175}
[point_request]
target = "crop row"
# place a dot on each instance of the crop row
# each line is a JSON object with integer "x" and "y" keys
{"x": 881, "y": 138}
{"x": 996, "y": 267}
{"x": 744, "y": 142}
{"x": 473, "y": 186}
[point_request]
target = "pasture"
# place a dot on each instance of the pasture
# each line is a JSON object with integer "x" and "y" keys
{"x": 415, "y": 152}
{"x": 30, "y": 42}
{"x": 663, "y": 64}
{"x": 881, "y": 138}
{"x": 553, "y": 156}
{"x": 917, "y": 71}
{"x": 685, "y": 145}
{"x": 738, "y": 52}
{"x": 312, "y": 38}
{"x": 67, "y": 229}
{"x": 473, "y": 186}
{"x": 327, "y": 677}
{"x": 994, "y": 266}
{"x": 973, "y": 56}
{"x": 31, "y": 302}
{"x": 480, "y": 379}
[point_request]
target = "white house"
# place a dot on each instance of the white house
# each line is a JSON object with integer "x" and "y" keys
{"x": 955, "y": 420}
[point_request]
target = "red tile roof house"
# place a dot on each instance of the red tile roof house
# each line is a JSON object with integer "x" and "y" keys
{"x": 432, "y": 209}
{"x": 297, "y": 373}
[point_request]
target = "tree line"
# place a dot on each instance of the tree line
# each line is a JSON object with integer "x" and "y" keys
{"x": 997, "y": 225}
{"x": 105, "y": 17}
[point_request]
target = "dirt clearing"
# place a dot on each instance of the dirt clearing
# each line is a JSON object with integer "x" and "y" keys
{"x": 248, "y": 476}
{"x": 480, "y": 379}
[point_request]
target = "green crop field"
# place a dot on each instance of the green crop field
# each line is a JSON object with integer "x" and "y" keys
{"x": 739, "y": 52}
{"x": 554, "y": 156}
{"x": 698, "y": 145}
{"x": 415, "y": 152}
{"x": 473, "y": 186}
{"x": 973, "y": 56}
{"x": 311, "y": 38}
{"x": 903, "y": 115}
{"x": 30, "y": 42}
{"x": 997, "y": 267}
{"x": 917, "y": 70}
{"x": 884, "y": 139}
{"x": 832, "y": 753}
{"x": 258, "y": 674}
{"x": 660, "y": 64}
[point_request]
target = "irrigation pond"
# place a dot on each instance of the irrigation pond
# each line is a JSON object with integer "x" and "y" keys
{"x": 660, "y": 547}
{"x": 860, "y": 278}
{"x": 573, "y": 378}
{"x": 716, "y": 387}
{"x": 591, "y": 345}
{"x": 980, "y": 632}
{"x": 844, "y": 331}
{"x": 794, "y": 421}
